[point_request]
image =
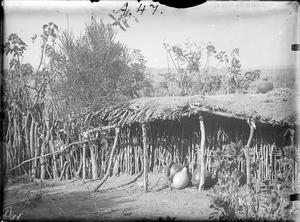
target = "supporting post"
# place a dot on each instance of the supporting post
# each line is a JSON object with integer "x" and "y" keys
{"x": 251, "y": 123}
{"x": 83, "y": 161}
{"x": 248, "y": 166}
{"x": 202, "y": 159}
{"x": 117, "y": 131}
{"x": 181, "y": 148}
{"x": 145, "y": 145}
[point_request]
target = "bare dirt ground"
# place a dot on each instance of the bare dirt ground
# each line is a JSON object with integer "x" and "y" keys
{"x": 119, "y": 198}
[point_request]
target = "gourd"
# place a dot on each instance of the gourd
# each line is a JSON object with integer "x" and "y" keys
{"x": 265, "y": 86}
{"x": 173, "y": 169}
{"x": 181, "y": 179}
{"x": 196, "y": 178}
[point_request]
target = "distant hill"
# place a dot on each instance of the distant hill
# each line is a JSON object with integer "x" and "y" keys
{"x": 154, "y": 73}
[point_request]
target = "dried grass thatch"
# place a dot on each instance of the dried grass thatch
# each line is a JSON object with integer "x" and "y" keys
{"x": 277, "y": 107}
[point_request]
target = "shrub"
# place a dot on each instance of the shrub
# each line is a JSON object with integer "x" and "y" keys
{"x": 261, "y": 201}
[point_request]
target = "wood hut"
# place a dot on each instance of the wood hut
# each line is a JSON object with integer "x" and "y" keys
{"x": 187, "y": 129}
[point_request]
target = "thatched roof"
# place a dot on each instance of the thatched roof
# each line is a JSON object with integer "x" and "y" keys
{"x": 276, "y": 108}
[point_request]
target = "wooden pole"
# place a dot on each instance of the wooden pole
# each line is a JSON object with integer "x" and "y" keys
{"x": 83, "y": 161}
{"x": 144, "y": 135}
{"x": 117, "y": 131}
{"x": 246, "y": 151}
{"x": 202, "y": 159}
{"x": 181, "y": 148}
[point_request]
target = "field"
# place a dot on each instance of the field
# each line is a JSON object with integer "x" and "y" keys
{"x": 120, "y": 198}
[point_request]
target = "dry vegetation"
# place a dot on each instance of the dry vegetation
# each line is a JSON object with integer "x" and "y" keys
{"x": 61, "y": 139}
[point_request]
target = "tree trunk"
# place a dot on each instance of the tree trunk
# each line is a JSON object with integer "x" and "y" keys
{"x": 145, "y": 145}
{"x": 117, "y": 131}
{"x": 202, "y": 159}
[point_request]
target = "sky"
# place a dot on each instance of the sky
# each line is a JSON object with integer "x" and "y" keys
{"x": 263, "y": 31}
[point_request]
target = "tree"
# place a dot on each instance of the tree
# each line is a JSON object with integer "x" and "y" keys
{"x": 201, "y": 69}
{"x": 97, "y": 70}
{"x": 74, "y": 74}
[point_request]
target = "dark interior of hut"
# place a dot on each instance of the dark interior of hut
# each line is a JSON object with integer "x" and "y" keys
{"x": 178, "y": 141}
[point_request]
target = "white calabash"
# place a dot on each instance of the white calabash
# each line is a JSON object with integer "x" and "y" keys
{"x": 181, "y": 179}
{"x": 175, "y": 169}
